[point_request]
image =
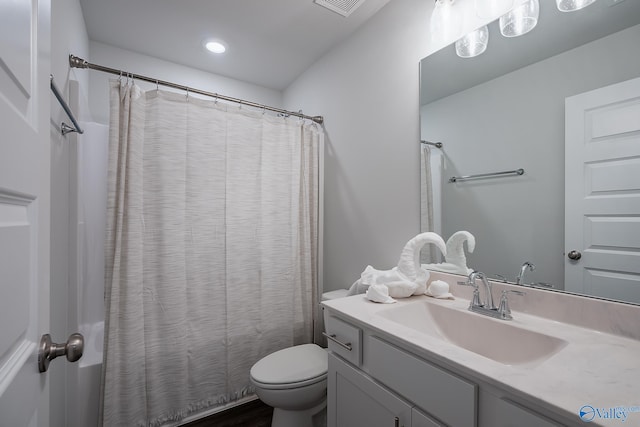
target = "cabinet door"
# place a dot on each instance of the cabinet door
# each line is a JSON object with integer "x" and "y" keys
{"x": 354, "y": 399}
{"x": 441, "y": 394}
{"x": 418, "y": 419}
{"x": 501, "y": 412}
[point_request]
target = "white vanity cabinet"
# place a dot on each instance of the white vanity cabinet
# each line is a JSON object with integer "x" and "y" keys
{"x": 502, "y": 412}
{"x": 380, "y": 383}
{"x": 419, "y": 419}
{"x": 441, "y": 394}
{"x": 355, "y": 399}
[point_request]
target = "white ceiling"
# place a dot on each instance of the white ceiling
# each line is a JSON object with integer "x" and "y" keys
{"x": 270, "y": 42}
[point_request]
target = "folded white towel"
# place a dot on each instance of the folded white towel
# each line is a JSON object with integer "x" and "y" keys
{"x": 455, "y": 259}
{"x": 409, "y": 262}
{"x": 357, "y": 288}
{"x": 407, "y": 278}
{"x": 439, "y": 289}
{"x": 398, "y": 285}
{"x": 446, "y": 267}
{"x": 379, "y": 293}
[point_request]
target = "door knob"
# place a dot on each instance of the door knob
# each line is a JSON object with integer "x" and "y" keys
{"x": 574, "y": 255}
{"x": 49, "y": 350}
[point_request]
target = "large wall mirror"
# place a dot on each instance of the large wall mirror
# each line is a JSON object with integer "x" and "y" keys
{"x": 505, "y": 110}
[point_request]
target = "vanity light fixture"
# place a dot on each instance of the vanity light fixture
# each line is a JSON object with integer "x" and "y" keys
{"x": 492, "y": 8}
{"x": 572, "y": 5}
{"x": 446, "y": 21}
{"x": 447, "y": 18}
{"x": 215, "y": 46}
{"x": 473, "y": 44}
{"x": 521, "y": 19}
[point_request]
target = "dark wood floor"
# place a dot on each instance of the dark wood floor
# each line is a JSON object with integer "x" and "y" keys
{"x": 251, "y": 414}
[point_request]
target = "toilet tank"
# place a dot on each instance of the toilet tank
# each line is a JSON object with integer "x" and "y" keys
{"x": 326, "y": 296}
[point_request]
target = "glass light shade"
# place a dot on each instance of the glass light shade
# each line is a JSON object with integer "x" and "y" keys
{"x": 473, "y": 44}
{"x": 520, "y": 20}
{"x": 446, "y": 24}
{"x": 491, "y": 9}
{"x": 571, "y": 5}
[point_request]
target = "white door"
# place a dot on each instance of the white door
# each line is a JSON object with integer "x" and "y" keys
{"x": 602, "y": 192}
{"x": 24, "y": 209}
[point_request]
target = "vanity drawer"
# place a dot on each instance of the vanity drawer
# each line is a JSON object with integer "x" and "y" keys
{"x": 447, "y": 397}
{"x": 344, "y": 339}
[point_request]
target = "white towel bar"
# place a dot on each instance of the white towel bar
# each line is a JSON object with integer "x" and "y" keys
{"x": 487, "y": 175}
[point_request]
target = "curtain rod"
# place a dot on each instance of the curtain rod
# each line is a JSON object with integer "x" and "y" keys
{"x": 76, "y": 62}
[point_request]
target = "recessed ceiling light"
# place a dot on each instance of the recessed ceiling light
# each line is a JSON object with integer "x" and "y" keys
{"x": 215, "y": 47}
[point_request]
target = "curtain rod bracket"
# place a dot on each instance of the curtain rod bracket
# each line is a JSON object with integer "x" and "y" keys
{"x": 65, "y": 128}
{"x": 75, "y": 62}
{"x": 435, "y": 144}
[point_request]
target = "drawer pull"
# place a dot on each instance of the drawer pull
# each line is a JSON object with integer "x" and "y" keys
{"x": 332, "y": 337}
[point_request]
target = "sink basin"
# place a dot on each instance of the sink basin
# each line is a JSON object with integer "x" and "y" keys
{"x": 498, "y": 340}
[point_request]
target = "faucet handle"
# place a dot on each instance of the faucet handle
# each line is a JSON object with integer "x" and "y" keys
{"x": 500, "y": 277}
{"x": 503, "y": 310}
{"x": 468, "y": 283}
{"x": 475, "y": 302}
{"x": 544, "y": 285}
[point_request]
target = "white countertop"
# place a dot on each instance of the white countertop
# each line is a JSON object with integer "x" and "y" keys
{"x": 595, "y": 368}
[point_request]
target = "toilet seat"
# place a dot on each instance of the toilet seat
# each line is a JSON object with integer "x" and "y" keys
{"x": 287, "y": 386}
{"x": 291, "y": 367}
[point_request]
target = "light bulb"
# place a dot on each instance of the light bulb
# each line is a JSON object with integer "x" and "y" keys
{"x": 492, "y": 9}
{"x": 446, "y": 22}
{"x": 473, "y": 44}
{"x": 520, "y": 20}
{"x": 215, "y": 47}
{"x": 572, "y": 5}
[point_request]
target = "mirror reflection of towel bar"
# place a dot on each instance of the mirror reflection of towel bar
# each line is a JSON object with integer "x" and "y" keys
{"x": 487, "y": 175}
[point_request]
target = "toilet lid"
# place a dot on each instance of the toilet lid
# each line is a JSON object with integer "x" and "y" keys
{"x": 291, "y": 365}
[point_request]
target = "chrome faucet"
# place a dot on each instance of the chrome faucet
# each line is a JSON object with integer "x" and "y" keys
{"x": 488, "y": 307}
{"x": 520, "y": 277}
{"x": 488, "y": 294}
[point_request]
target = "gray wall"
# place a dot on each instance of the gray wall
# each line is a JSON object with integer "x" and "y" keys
{"x": 367, "y": 90}
{"x": 517, "y": 121}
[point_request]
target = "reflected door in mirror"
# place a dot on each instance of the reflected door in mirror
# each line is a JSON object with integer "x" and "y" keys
{"x": 602, "y": 192}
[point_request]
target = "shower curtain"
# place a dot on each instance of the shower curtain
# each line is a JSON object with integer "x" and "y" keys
{"x": 430, "y": 199}
{"x": 211, "y": 251}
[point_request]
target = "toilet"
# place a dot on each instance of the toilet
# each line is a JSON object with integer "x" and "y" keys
{"x": 294, "y": 380}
